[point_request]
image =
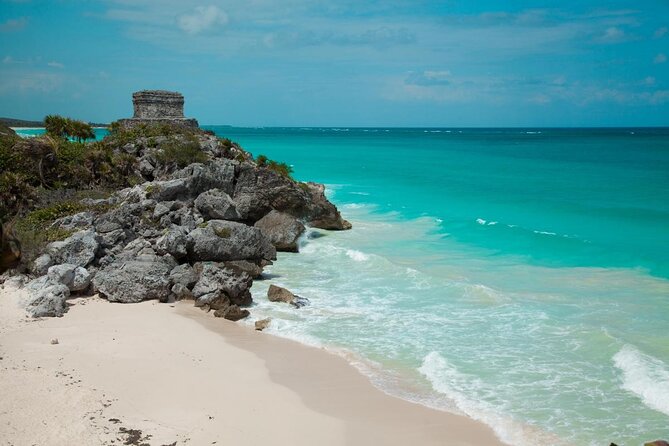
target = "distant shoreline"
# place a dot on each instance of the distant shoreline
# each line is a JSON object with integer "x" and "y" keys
{"x": 25, "y": 124}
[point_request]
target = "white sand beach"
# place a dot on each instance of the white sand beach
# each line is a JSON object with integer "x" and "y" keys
{"x": 170, "y": 374}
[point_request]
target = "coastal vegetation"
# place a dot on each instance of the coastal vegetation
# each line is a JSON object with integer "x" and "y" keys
{"x": 280, "y": 168}
{"x": 47, "y": 178}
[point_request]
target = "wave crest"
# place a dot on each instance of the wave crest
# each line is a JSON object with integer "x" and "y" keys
{"x": 645, "y": 376}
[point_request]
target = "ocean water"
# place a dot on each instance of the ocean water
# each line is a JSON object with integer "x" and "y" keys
{"x": 519, "y": 276}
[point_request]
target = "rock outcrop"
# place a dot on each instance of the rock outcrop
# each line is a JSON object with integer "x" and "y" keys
{"x": 283, "y": 230}
{"x": 199, "y": 228}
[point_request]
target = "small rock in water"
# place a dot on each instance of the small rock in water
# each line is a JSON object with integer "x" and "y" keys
{"x": 656, "y": 443}
{"x": 300, "y": 302}
{"x": 263, "y": 324}
{"x": 279, "y": 294}
{"x": 54, "y": 341}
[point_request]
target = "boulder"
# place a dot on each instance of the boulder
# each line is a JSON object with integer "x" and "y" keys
{"x": 46, "y": 297}
{"x": 167, "y": 190}
{"x": 183, "y": 275}
{"x": 130, "y": 280}
{"x": 78, "y": 249}
{"x": 218, "y": 174}
{"x": 174, "y": 242}
{"x": 82, "y": 279}
{"x": 62, "y": 274}
{"x": 262, "y": 324}
{"x": 74, "y": 277}
{"x": 279, "y": 294}
{"x": 161, "y": 209}
{"x": 282, "y": 229}
{"x": 216, "y": 205}
{"x": 41, "y": 264}
{"x": 321, "y": 212}
{"x": 215, "y": 281}
{"x": 244, "y": 266}
{"x": 224, "y": 240}
{"x": 181, "y": 292}
{"x": 232, "y": 313}
{"x": 258, "y": 191}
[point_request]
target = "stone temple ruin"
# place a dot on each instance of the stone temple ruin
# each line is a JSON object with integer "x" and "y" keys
{"x": 156, "y": 106}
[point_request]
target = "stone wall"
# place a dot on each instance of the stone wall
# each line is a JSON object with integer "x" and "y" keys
{"x": 157, "y": 104}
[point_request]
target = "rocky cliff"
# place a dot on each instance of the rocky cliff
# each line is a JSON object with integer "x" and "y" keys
{"x": 201, "y": 223}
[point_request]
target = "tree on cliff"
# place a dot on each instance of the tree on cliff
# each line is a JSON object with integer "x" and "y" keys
{"x": 61, "y": 127}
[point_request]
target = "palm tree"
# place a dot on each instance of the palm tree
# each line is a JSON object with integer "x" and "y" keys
{"x": 56, "y": 125}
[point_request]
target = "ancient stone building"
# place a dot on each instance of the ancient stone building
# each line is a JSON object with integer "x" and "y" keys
{"x": 152, "y": 106}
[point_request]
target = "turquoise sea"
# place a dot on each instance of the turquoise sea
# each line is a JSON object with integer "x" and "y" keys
{"x": 520, "y": 276}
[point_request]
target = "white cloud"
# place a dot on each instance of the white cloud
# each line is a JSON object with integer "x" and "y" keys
{"x": 660, "y": 58}
{"x": 201, "y": 19}
{"x": 612, "y": 34}
{"x": 650, "y": 80}
{"x": 8, "y": 60}
{"x": 54, "y": 64}
{"x": 429, "y": 78}
{"x": 660, "y": 32}
{"x": 540, "y": 99}
{"x": 30, "y": 81}
{"x": 13, "y": 24}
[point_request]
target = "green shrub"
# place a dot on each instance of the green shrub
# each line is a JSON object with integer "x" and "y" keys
{"x": 261, "y": 161}
{"x": 181, "y": 153}
{"x": 72, "y": 152}
{"x": 280, "y": 168}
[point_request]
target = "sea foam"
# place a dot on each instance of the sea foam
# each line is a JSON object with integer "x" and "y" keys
{"x": 645, "y": 376}
{"x": 447, "y": 380}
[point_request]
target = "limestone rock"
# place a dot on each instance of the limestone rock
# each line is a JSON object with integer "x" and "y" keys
{"x": 174, "y": 242}
{"x": 218, "y": 174}
{"x": 181, "y": 292}
{"x": 215, "y": 204}
{"x": 232, "y": 313}
{"x": 262, "y": 324}
{"x": 215, "y": 280}
{"x": 62, "y": 274}
{"x": 244, "y": 266}
{"x": 322, "y": 213}
{"x": 79, "y": 249}
{"x": 279, "y": 294}
{"x": 183, "y": 275}
{"x": 76, "y": 221}
{"x": 41, "y": 264}
{"x": 168, "y": 190}
{"x": 131, "y": 280}
{"x": 46, "y": 297}
{"x": 224, "y": 240}
{"x": 282, "y": 229}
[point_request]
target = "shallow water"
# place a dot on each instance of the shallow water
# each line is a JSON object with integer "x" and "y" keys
{"x": 518, "y": 277}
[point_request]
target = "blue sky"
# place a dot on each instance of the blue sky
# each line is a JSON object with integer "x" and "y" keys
{"x": 342, "y": 63}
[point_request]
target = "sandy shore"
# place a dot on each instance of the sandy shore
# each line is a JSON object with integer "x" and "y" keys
{"x": 166, "y": 374}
